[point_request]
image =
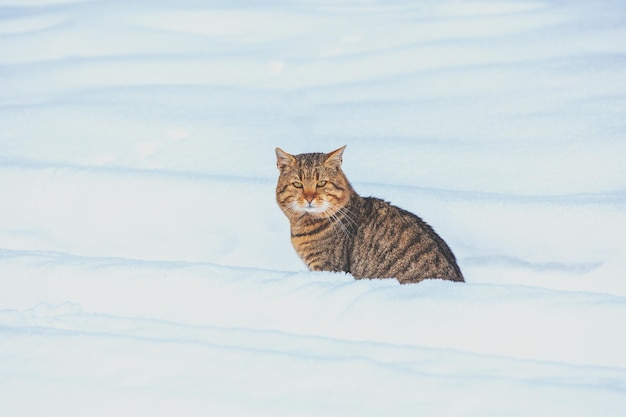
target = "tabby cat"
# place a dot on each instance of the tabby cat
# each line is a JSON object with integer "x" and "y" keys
{"x": 334, "y": 229}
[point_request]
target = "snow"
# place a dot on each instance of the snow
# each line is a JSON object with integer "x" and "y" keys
{"x": 145, "y": 268}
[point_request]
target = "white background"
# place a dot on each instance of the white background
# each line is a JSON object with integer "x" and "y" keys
{"x": 145, "y": 268}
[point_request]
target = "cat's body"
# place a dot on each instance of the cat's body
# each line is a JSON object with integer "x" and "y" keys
{"x": 334, "y": 229}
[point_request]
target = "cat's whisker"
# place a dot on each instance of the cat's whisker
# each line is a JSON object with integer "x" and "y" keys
{"x": 346, "y": 214}
{"x": 337, "y": 220}
{"x": 334, "y": 226}
{"x": 291, "y": 210}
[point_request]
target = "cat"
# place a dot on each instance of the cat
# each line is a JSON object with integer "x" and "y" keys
{"x": 334, "y": 229}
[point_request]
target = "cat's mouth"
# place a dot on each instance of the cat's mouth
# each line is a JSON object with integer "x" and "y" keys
{"x": 312, "y": 208}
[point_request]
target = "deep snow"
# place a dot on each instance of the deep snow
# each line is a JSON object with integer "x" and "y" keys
{"x": 145, "y": 268}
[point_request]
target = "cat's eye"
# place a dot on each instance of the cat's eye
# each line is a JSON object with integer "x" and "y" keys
{"x": 321, "y": 184}
{"x": 298, "y": 184}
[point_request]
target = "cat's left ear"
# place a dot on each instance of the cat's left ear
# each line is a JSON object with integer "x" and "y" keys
{"x": 334, "y": 158}
{"x": 283, "y": 159}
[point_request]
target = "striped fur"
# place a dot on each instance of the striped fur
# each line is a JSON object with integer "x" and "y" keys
{"x": 334, "y": 229}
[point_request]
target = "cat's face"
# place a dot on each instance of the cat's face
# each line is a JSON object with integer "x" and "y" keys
{"x": 311, "y": 184}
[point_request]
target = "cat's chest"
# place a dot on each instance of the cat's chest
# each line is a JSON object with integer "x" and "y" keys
{"x": 323, "y": 246}
{"x": 312, "y": 230}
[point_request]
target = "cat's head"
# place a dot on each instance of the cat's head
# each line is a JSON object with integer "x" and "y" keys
{"x": 311, "y": 183}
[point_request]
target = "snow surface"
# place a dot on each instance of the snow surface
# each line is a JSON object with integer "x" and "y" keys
{"x": 145, "y": 268}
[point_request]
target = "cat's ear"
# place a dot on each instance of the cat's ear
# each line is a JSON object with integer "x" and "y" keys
{"x": 334, "y": 158}
{"x": 283, "y": 159}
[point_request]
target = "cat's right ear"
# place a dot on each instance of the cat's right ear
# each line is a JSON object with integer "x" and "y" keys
{"x": 283, "y": 159}
{"x": 334, "y": 158}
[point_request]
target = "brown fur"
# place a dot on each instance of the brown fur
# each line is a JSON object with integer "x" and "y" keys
{"x": 334, "y": 229}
